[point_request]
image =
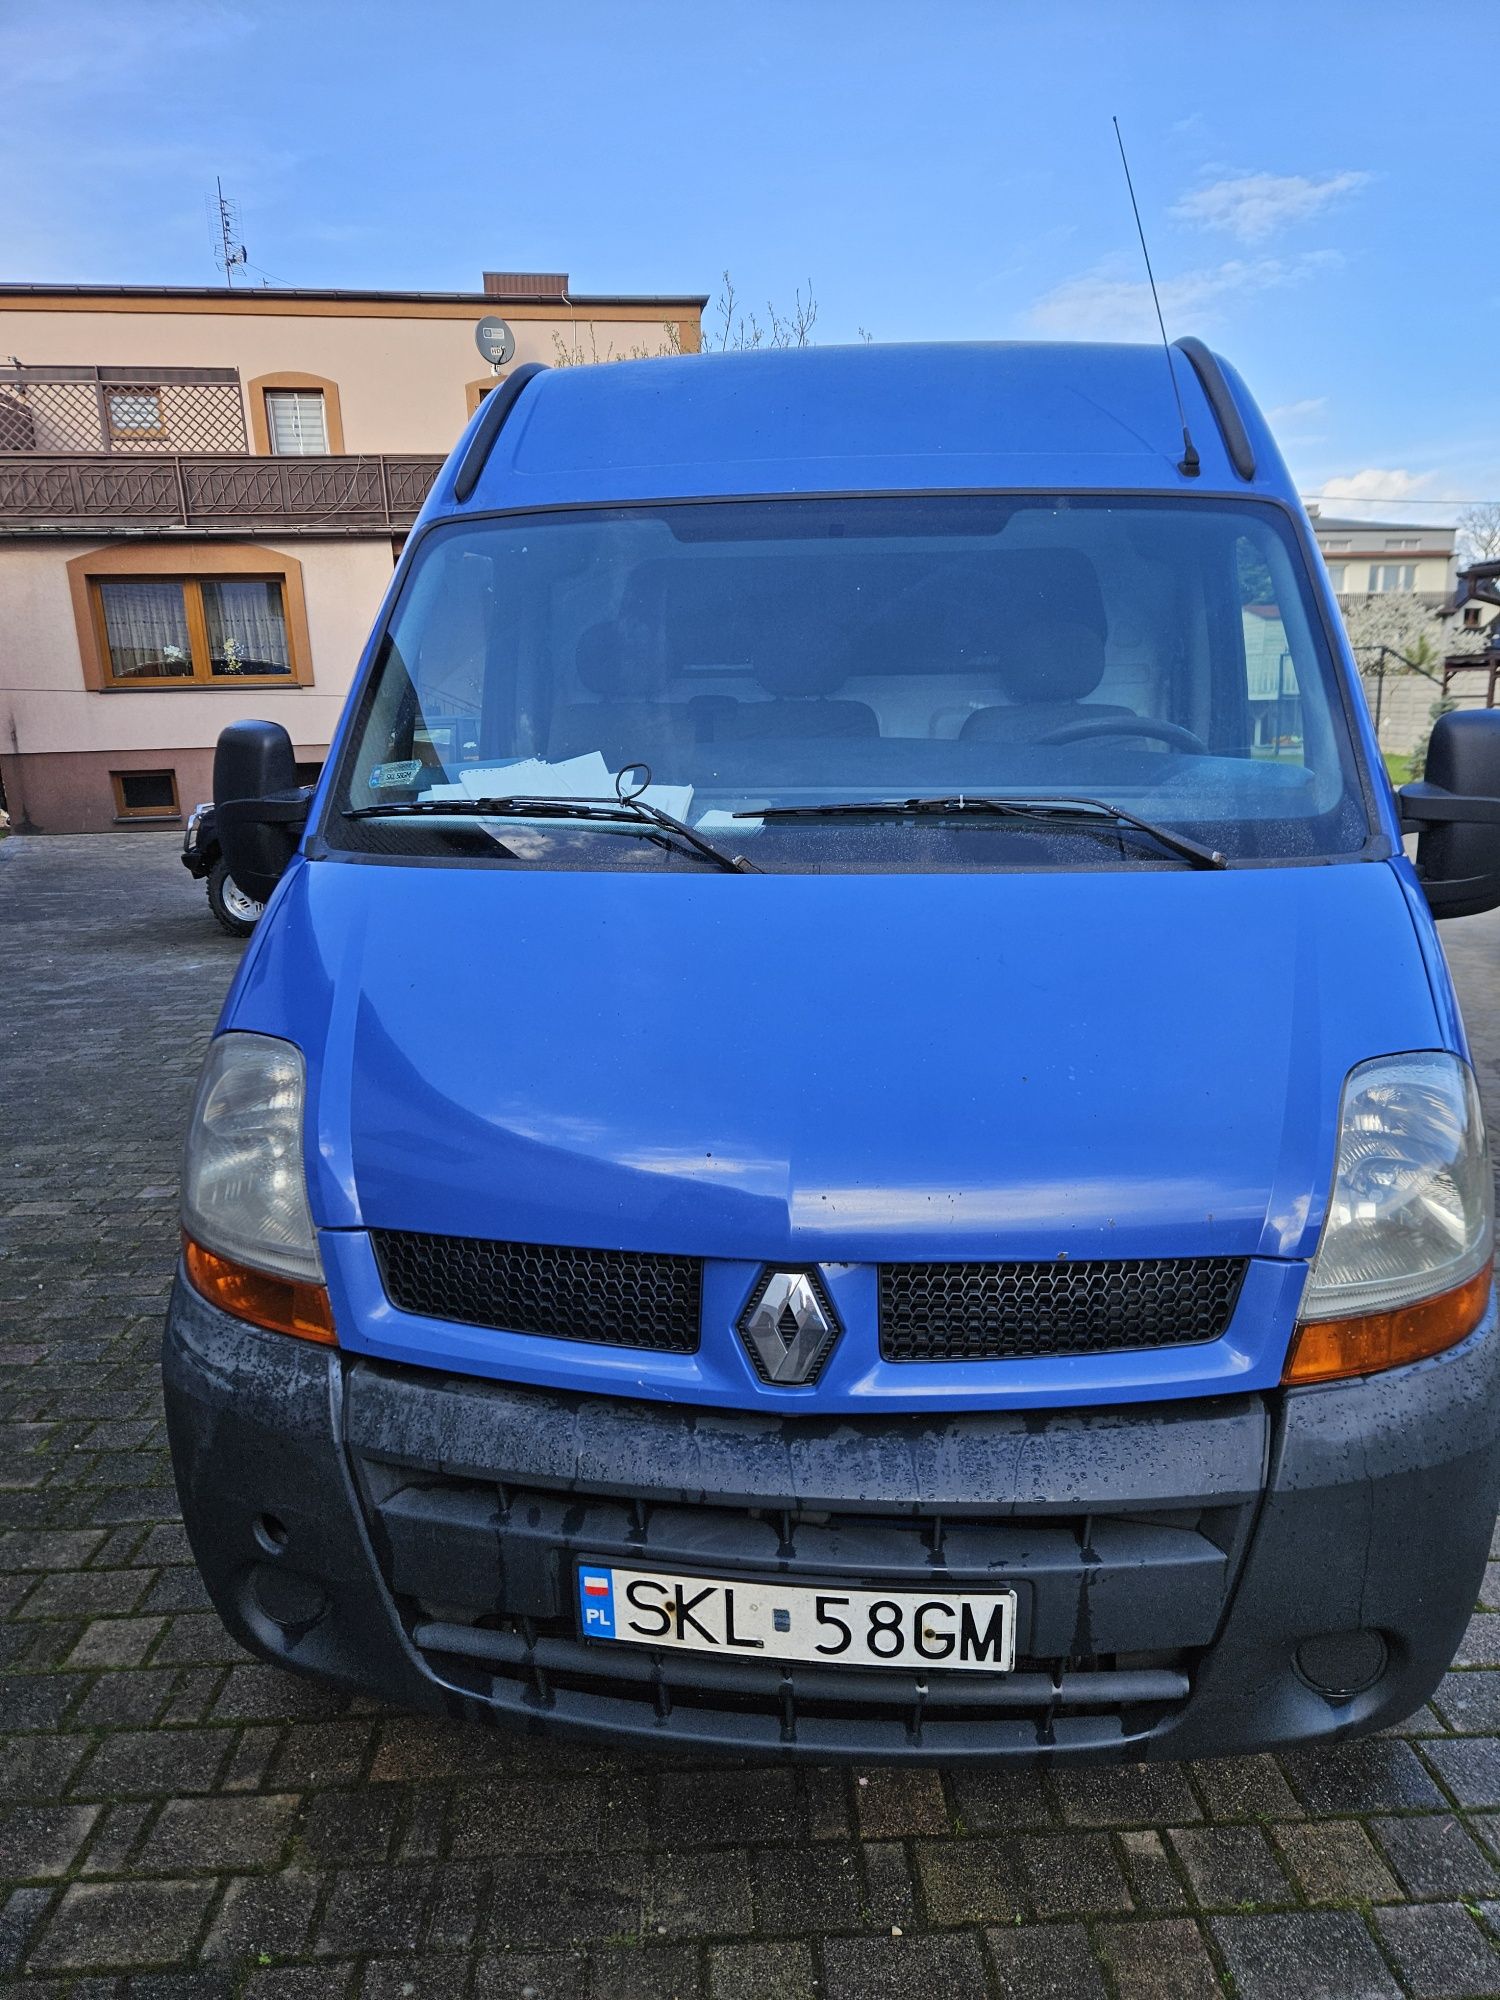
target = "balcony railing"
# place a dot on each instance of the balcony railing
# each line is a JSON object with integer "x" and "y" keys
{"x": 208, "y": 493}
{"x": 131, "y": 411}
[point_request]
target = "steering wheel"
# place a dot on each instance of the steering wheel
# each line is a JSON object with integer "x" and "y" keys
{"x": 1170, "y": 733}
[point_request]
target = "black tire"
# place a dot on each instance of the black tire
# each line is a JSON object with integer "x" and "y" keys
{"x": 229, "y": 903}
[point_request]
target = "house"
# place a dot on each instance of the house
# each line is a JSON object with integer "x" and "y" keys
{"x": 1475, "y": 603}
{"x": 202, "y": 494}
{"x": 1370, "y": 558}
{"x": 1475, "y": 607}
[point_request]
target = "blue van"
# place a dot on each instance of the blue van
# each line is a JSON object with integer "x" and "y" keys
{"x": 1010, "y": 1273}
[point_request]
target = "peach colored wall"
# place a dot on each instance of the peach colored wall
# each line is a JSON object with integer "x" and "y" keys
{"x": 401, "y": 380}
{"x": 44, "y": 706}
{"x": 71, "y": 792}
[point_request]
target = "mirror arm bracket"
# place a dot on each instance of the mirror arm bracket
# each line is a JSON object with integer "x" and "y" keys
{"x": 277, "y": 809}
{"x": 1423, "y": 805}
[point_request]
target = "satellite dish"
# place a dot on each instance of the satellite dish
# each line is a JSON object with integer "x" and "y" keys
{"x": 494, "y": 340}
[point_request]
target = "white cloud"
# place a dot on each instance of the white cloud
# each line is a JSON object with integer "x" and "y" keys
{"x": 1301, "y": 424}
{"x": 1369, "y": 493}
{"x": 1107, "y": 304}
{"x": 1294, "y": 413}
{"x": 1254, "y": 206}
{"x": 1376, "y": 483}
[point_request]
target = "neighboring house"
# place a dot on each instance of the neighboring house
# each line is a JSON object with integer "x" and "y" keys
{"x": 1378, "y": 558}
{"x": 1474, "y": 609}
{"x": 1475, "y": 603}
{"x": 202, "y": 492}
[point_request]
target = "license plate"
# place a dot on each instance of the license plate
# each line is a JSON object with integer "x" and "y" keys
{"x": 761, "y": 1619}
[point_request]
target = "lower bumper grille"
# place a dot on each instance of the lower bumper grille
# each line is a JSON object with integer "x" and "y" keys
{"x": 1042, "y": 1705}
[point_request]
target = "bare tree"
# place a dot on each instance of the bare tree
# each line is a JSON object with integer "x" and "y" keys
{"x": 734, "y": 329}
{"x": 1479, "y": 534}
{"x": 738, "y": 329}
{"x": 573, "y": 353}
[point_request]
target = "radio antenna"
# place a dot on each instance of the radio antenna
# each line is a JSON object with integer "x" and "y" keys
{"x": 1188, "y": 464}
{"x": 229, "y": 253}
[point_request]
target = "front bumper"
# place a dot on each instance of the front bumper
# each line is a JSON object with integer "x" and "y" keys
{"x": 199, "y": 846}
{"x": 414, "y": 1534}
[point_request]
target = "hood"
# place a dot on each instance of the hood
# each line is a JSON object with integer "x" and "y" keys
{"x": 836, "y": 1068}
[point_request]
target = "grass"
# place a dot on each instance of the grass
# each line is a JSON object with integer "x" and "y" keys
{"x": 1399, "y": 767}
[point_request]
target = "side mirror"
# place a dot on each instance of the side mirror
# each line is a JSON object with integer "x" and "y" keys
{"x": 259, "y": 808}
{"x": 1455, "y": 812}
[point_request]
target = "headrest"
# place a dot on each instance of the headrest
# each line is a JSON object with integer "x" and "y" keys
{"x": 625, "y": 657}
{"x": 792, "y": 666}
{"x": 1052, "y": 627}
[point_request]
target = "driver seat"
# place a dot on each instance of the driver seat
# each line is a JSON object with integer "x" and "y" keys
{"x": 1050, "y": 648}
{"x": 623, "y": 664}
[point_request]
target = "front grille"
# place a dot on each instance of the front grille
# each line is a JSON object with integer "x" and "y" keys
{"x": 1017, "y": 1312}
{"x": 611, "y": 1298}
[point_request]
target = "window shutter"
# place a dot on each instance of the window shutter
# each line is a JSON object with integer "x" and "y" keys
{"x": 294, "y": 419}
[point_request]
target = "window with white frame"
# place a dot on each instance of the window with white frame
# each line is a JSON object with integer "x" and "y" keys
{"x": 1393, "y": 576}
{"x": 296, "y": 423}
{"x": 1403, "y": 542}
{"x": 1336, "y": 575}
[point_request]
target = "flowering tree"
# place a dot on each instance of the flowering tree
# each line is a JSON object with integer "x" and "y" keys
{"x": 1394, "y": 632}
{"x": 1398, "y": 623}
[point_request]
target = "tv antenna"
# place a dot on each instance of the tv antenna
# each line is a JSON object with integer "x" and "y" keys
{"x": 231, "y": 252}
{"x": 1188, "y": 464}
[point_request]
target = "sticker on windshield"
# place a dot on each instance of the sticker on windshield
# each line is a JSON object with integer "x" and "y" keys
{"x": 405, "y": 773}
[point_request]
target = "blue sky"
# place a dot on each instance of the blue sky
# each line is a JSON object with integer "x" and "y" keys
{"x": 1311, "y": 176}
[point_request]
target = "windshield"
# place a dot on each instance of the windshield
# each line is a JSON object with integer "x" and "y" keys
{"x": 726, "y": 658}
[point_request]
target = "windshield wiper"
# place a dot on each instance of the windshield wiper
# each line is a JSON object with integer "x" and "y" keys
{"x": 1079, "y": 810}
{"x": 598, "y": 811}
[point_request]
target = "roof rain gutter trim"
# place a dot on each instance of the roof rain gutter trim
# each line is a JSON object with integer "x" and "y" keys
{"x": 1221, "y": 401}
{"x": 496, "y": 407}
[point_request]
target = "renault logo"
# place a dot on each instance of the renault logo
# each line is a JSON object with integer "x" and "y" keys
{"x": 789, "y": 1326}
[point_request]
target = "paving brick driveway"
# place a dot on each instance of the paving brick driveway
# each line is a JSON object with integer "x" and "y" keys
{"x": 182, "y": 1822}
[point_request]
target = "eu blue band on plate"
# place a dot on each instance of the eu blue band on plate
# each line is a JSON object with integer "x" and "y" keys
{"x": 596, "y": 1603}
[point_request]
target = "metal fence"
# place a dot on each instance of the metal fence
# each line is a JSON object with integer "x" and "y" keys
{"x": 125, "y": 411}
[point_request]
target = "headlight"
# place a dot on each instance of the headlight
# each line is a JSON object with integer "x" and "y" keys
{"x": 1402, "y": 1268}
{"x": 248, "y": 1240}
{"x": 243, "y": 1190}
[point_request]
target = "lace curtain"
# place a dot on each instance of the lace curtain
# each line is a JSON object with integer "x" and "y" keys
{"x": 246, "y": 628}
{"x": 148, "y": 632}
{"x": 150, "y": 636}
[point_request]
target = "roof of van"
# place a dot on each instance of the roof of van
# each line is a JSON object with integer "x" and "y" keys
{"x": 1046, "y": 417}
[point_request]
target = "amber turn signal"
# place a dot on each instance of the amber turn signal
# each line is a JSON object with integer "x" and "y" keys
{"x": 278, "y": 1304}
{"x": 1323, "y": 1350}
